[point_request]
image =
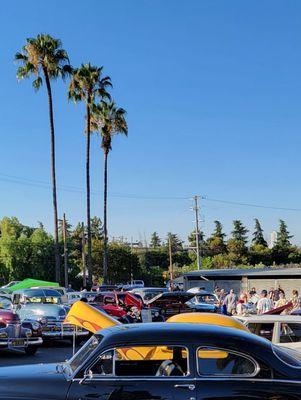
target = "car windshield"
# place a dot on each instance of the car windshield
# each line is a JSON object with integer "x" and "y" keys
{"x": 5, "y": 303}
{"x": 44, "y": 300}
{"x": 148, "y": 295}
{"x": 84, "y": 353}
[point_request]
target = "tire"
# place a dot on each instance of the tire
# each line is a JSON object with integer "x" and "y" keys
{"x": 31, "y": 351}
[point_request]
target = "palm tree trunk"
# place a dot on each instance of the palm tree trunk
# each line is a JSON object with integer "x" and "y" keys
{"x": 89, "y": 253}
{"x": 105, "y": 231}
{"x": 53, "y": 175}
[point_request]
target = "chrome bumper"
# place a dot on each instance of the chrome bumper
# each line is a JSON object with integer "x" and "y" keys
{"x": 8, "y": 342}
{"x": 64, "y": 334}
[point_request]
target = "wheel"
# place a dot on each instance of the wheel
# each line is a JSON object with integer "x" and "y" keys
{"x": 31, "y": 351}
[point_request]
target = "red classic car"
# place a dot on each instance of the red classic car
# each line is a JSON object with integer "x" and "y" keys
{"x": 15, "y": 335}
{"x": 116, "y": 303}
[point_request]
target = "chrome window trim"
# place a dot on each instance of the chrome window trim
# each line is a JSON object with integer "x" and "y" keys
{"x": 219, "y": 376}
{"x": 134, "y": 377}
{"x": 280, "y": 359}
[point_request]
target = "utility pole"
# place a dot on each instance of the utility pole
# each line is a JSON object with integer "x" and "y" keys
{"x": 132, "y": 260}
{"x": 65, "y": 250}
{"x": 84, "y": 256}
{"x": 197, "y": 232}
{"x": 170, "y": 264}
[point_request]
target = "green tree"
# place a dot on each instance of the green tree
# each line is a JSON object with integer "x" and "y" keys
{"x": 96, "y": 228}
{"x": 283, "y": 237}
{"x": 239, "y": 232}
{"x": 86, "y": 85}
{"x": 258, "y": 238}
{"x": 236, "y": 246}
{"x": 216, "y": 242}
{"x": 176, "y": 243}
{"x": 44, "y": 58}
{"x": 108, "y": 120}
{"x": 155, "y": 241}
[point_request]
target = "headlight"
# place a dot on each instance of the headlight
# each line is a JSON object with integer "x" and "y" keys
{"x": 3, "y": 335}
{"x": 35, "y": 326}
{"x": 43, "y": 320}
{"x": 156, "y": 314}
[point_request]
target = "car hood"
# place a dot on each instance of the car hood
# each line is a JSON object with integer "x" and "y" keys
{"x": 32, "y": 382}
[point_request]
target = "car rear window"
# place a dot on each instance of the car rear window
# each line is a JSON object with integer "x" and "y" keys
{"x": 213, "y": 361}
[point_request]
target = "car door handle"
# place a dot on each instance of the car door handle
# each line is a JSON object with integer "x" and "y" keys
{"x": 188, "y": 386}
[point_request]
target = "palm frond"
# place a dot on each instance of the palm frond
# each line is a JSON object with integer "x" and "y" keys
{"x": 37, "y": 83}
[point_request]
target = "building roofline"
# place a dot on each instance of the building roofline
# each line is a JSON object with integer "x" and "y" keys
{"x": 267, "y": 271}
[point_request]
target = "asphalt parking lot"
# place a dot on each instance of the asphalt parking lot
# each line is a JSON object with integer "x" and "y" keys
{"x": 60, "y": 351}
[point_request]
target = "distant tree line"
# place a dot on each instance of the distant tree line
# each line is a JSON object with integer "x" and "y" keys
{"x": 29, "y": 252}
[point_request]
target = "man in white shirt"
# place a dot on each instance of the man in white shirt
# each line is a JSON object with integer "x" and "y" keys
{"x": 264, "y": 303}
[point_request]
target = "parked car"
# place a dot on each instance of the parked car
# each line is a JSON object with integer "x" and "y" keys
{"x": 17, "y": 335}
{"x": 148, "y": 293}
{"x": 171, "y": 303}
{"x": 162, "y": 361}
{"x": 8, "y": 285}
{"x": 204, "y": 301}
{"x": 72, "y": 297}
{"x": 45, "y": 306}
{"x": 282, "y": 330}
{"x": 116, "y": 303}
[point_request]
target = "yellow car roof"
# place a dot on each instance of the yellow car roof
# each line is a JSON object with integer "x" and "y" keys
{"x": 209, "y": 318}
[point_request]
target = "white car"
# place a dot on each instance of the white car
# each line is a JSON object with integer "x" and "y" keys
{"x": 282, "y": 330}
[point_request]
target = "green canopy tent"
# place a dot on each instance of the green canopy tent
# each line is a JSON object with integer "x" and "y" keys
{"x": 29, "y": 283}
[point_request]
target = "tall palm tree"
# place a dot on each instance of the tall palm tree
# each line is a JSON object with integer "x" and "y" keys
{"x": 86, "y": 85}
{"x": 44, "y": 58}
{"x": 108, "y": 120}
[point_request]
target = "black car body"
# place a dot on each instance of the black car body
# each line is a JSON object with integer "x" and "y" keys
{"x": 162, "y": 361}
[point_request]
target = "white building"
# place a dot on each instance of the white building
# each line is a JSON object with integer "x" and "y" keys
{"x": 273, "y": 239}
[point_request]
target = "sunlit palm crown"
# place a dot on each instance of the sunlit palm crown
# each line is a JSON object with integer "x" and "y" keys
{"x": 42, "y": 54}
{"x": 87, "y": 83}
{"x": 108, "y": 120}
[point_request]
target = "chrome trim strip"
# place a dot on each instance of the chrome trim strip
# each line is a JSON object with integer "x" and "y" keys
{"x": 117, "y": 379}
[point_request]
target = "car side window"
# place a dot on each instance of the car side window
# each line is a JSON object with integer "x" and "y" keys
{"x": 290, "y": 333}
{"x": 146, "y": 361}
{"x": 213, "y": 361}
{"x": 262, "y": 329}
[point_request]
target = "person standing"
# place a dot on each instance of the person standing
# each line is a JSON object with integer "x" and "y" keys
{"x": 295, "y": 300}
{"x": 264, "y": 304}
{"x": 230, "y": 302}
{"x": 281, "y": 301}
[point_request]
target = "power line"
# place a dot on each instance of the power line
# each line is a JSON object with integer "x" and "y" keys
{"x": 250, "y": 204}
{"x": 76, "y": 189}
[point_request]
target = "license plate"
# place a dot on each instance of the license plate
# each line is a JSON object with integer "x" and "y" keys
{"x": 17, "y": 343}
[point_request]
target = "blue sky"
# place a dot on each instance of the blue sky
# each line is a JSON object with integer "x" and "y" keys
{"x": 212, "y": 90}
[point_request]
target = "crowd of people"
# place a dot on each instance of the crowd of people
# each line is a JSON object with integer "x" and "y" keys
{"x": 260, "y": 303}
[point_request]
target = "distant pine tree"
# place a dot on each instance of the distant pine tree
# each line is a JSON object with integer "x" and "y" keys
{"x": 155, "y": 241}
{"x": 283, "y": 236}
{"x": 239, "y": 232}
{"x": 258, "y": 234}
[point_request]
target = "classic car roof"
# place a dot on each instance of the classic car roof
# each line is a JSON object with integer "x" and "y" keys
{"x": 39, "y": 292}
{"x": 181, "y": 333}
{"x": 170, "y": 296}
{"x": 270, "y": 318}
